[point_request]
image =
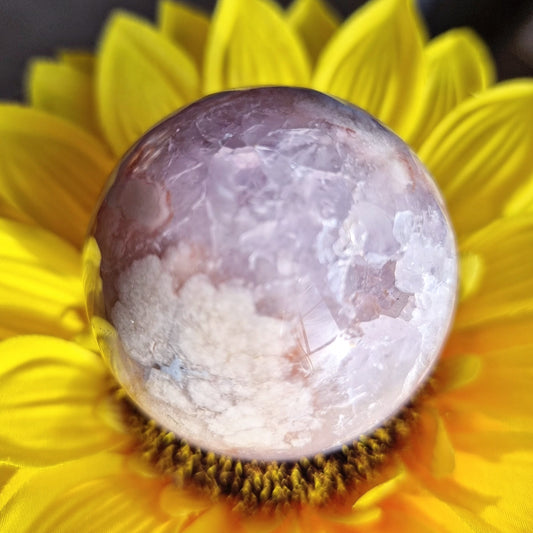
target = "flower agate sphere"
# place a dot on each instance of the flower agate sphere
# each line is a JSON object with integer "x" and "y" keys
{"x": 279, "y": 270}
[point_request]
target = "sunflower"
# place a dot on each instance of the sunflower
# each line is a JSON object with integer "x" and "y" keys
{"x": 75, "y": 456}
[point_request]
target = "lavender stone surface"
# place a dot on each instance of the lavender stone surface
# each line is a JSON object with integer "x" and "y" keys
{"x": 280, "y": 271}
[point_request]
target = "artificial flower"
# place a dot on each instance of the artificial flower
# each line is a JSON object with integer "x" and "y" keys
{"x": 71, "y": 460}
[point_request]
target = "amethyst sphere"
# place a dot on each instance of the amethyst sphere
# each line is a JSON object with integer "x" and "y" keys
{"x": 277, "y": 271}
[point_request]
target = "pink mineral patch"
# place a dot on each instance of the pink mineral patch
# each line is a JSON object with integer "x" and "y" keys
{"x": 280, "y": 270}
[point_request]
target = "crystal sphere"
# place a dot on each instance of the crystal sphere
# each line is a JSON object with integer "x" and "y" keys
{"x": 274, "y": 273}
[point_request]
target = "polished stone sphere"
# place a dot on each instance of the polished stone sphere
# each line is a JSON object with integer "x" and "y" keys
{"x": 278, "y": 272}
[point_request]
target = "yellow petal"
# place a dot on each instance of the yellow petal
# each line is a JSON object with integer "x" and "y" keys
{"x": 35, "y": 246}
{"x": 92, "y": 280}
{"x": 85, "y": 339}
{"x": 12, "y": 213}
{"x": 167, "y": 527}
{"x": 141, "y": 77}
{"x": 30, "y": 492}
{"x": 500, "y": 333}
{"x": 435, "y": 515}
{"x": 480, "y": 154}
{"x": 405, "y": 508}
{"x": 467, "y": 501}
{"x": 506, "y": 286}
{"x": 431, "y": 451}
{"x": 40, "y": 282}
{"x": 50, "y": 389}
{"x": 474, "y": 432}
{"x": 251, "y": 43}
{"x": 522, "y": 199}
{"x": 458, "y": 66}
{"x": 267, "y": 523}
{"x": 182, "y": 504}
{"x": 330, "y": 520}
{"x": 6, "y": 473}
{"x": 472, "y": 272}
{"x": 186, "y": 26}
{"x": 457, "y": 371}
{"x": 375, "y": 62}
{"x": 381, "y": 491}
{"x": 63, "y": 90}
{"x": 122, "y": 504}
{"x": 50, "y": 170}
{"x": 315, "y": 22}
{"x": 493, "y": 445}
{"x": 510, "y": 481}
{"x": 502, "y": 390}
{"x": 82, "y": 61}
{"x": 218, "y": 518}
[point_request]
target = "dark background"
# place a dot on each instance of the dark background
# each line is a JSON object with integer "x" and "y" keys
{"x": 40, "y": 27}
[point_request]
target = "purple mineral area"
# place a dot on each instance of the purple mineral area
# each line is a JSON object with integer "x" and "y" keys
{"x": 280, "y": 270}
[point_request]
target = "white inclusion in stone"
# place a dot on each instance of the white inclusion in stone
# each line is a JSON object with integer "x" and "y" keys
{"x": 212, "y": 358}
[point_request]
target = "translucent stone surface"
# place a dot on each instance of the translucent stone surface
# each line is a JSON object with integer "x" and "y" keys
{"x": 279, "y": 271}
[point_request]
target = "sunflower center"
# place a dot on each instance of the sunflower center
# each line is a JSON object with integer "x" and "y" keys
{"x": 279, "y": 270}
{"x": 266, "y": 486}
